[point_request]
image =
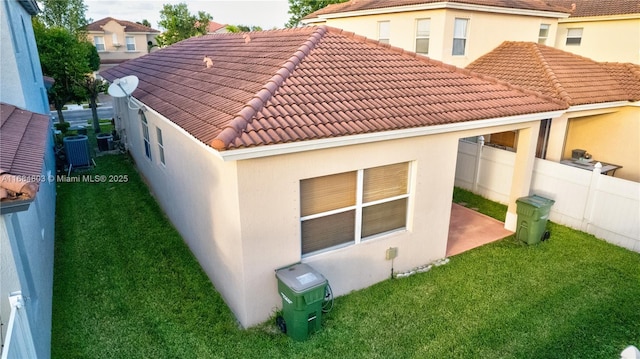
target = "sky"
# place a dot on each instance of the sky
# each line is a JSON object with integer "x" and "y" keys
{"x": 264, "y": 13}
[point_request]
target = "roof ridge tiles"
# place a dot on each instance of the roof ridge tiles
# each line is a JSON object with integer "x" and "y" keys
{"x": 548, "y": 71}
{"x": 240, "y": 122}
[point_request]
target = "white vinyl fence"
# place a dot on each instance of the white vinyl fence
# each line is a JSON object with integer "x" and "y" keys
{"x": 18, "y": 343}
{"x": 605, "y": 206}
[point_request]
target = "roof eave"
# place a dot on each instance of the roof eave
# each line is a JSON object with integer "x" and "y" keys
{"x": 31, "y": 6}
{"x": 13, "y": 206}
{"x": 600, "y": 18}
{"x": 333, "y": 142}
{"x": 601, "y": 106}
{"x": 443, "y": 5}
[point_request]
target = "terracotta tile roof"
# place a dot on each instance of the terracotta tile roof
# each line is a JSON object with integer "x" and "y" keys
{"x": 356, "y": 5}
{"x": 562, "y": 75}
{"x": 311, "y": 83}
{"x": 128, "y": 25}
{"x": 586, "y": 8}
{"x": 214, "y": 26}
{"x": 23, "y": 137}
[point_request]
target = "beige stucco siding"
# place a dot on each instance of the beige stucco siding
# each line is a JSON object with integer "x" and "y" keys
{"x": 484, "y": 33}
{"x": 616, "y": 40}
{"x": 114, "y": 31}
{"x": 611, "y": 137}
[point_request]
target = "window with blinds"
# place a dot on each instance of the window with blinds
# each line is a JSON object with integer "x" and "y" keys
{"x": 423, "y": 32}
{"x": 351, "y": 207}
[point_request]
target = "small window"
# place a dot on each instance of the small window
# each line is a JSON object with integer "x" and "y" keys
{"x": 423, "y": 31}
{"x": 99, "y": 42}
{"x": 352, "y": 207}
{"x": 114, "y": 39}
{"x": 543, "y": 34}
{"x": 459, "y": 36}
{"x": 574, "y": 36}
{"x": 145, "y": 135}
{"x": 384, "y": 31}
{"x": 160, "y": 145}
{"x": 131, "y": 43}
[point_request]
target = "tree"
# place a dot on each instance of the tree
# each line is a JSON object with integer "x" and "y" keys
{"x": 94, "y": 87}
{"x": 64, "y": 58}
{"x": 242, "y": 28}
{"x": 66, "y": 14}
{"x": 301, "y": 8}
{"x": 180, "y": 24}
{"x": 144, "y": 22}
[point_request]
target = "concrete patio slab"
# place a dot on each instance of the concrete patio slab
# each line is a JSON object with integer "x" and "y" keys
{"x": 470, "y": 229}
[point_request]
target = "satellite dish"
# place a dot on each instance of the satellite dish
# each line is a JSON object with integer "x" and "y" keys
{"x": 123, "y": 87}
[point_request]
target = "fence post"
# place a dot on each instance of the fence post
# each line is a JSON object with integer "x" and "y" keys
{"x": 589, "y": 207}
{"x": 476, "y": 173}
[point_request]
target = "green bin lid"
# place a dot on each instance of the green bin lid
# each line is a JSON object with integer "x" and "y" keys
{"x": 536, "y": 201}
{"x": 300, "y": 277}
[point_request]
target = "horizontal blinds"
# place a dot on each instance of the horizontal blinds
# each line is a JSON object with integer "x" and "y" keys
{"x": 384, "y": 217}
{"x": 326, "y": 193}
{"x": 329, "y": 231}
{"x": 384, "y": 182}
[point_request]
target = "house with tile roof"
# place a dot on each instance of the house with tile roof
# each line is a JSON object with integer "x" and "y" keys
{"x": 27, "y": 189}
{"x": 603, "y": 99}
{"x": 311, "y": 144}
{"x": 603, "y": 30}
{"x": 120, "y": 40}
{"x": 454, "y": 31}
{"x": 216, "y": 28}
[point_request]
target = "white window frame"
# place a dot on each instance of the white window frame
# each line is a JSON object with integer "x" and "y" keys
{"x": 160, "y": 145}
{"x": 360, "y": 206}
{"x": 132, "y": 43}
{"x": 573, "y": 34}
{"x": 99, "y": 44}
{"x": 382, "y": 37}
{"x": 421, "y": 35}
{"x": 145, "y": 135}
{"x": 458, "y": 35}
{"x": 542, "y": 38}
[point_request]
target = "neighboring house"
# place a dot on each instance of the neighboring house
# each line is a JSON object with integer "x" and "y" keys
{"x": 216, "y": 28}
{"x": 27, "y": 190}
{"x": 314, "y": 145}
{"x": 455, "y": 31}
{"x": 603, "y": 115}
{"x": 603, "y": 30}
{"x": 119, "y": 40}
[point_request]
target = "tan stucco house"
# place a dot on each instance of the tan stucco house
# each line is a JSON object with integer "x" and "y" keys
{"x": 454, "y": 31}
{"x": 603, "y": 30}
{"x": 603, "y": 99}
{"x": 120, "y": 40}
{"x": 311, "y": 144}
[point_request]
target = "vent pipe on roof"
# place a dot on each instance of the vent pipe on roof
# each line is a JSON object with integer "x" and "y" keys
{"x": 207, "y": 60}
{"x": 247, "y": 38}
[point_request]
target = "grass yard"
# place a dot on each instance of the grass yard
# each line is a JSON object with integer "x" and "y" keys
{"x": 126, "y": 286}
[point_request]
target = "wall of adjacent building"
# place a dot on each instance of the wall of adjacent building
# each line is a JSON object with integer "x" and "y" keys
{"x": 120, "y": 52}
{"x": 485, "y": 31}
{"x": 606, "y": 39}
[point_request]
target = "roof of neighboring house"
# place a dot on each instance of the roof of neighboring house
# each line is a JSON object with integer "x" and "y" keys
{"x": 562, "y": 75}
{"x": 128, "y": 25}
{"x": 214, "y": 26}
{"x": 585, "y": 8}
{"x": 358, "y": 5}
{"x": 23, "y": 137}
{"x": 310, "y": 83}
{"x": 31, "y": 6}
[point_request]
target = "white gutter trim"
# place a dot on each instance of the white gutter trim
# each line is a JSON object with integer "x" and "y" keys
{"x": 600, "y": 106}
{"x": 445, "y": 5}
{"x": 302, "y": 146}
{"x": 599, "y": 18}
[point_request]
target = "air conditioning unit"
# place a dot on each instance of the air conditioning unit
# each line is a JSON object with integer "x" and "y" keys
{"x": 77, "y": 150}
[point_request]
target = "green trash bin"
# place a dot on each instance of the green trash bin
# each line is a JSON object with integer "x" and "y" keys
{"x": 302, "y": 290}
{"x": 533, "y": 213}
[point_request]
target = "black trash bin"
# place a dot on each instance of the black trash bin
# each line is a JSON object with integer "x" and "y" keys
{"x": 105, "y": 141}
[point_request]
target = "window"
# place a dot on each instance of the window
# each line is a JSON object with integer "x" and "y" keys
{"x": 351, "y": 207}
{"x": 384, "y": 31}
{"x": 160, "y": 145}
{"x": 459, "y": 36}
{"x": 423, "y": 30}
{"x": 131, "y": 43}
{"x": 99, "y": 42}
{"x": 543, "y": 34}
{"x": 574, "y": 36}
{"x": 114, "y": 39}
{"x": 145, "y": 135}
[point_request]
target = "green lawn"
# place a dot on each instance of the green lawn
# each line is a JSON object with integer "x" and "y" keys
{"x": 127, "y": 287}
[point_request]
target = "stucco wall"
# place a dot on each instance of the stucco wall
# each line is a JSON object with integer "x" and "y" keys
{"x": 611, "y": 137}
{"x": 21, "y": 85}
{"x": 603, "y": 40}
{"x": 112, "y": 52}
{"x": 484, "y": 33}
